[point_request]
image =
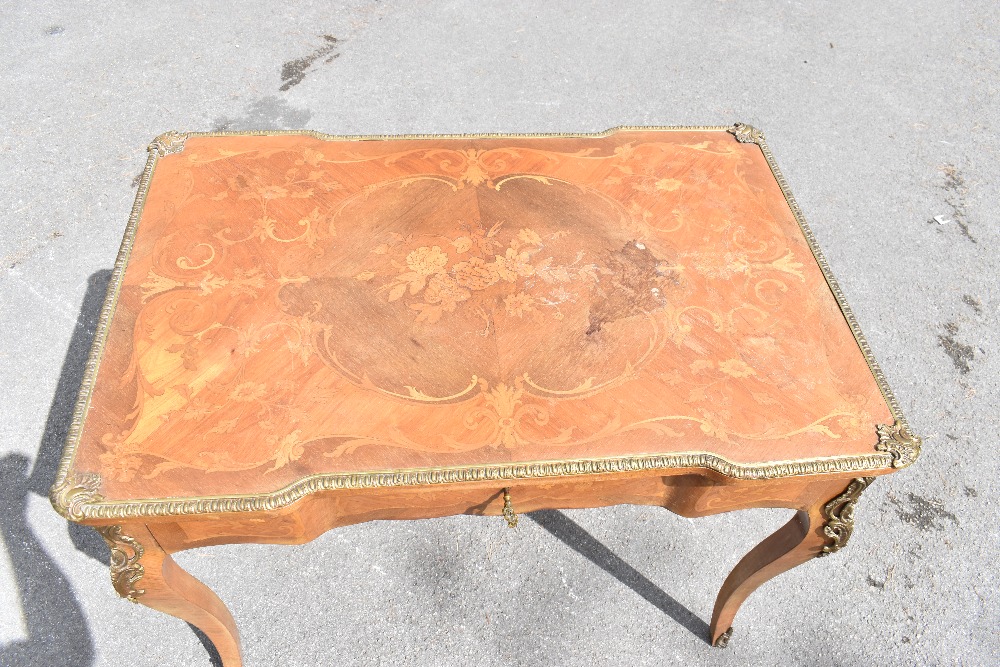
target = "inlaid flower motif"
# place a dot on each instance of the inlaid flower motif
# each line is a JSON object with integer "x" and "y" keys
{"x": 720, "y": 265}
{"x": 189, "y": 353}
{"x": 263, "y": 227}
{"x": 737, "y": 263}
{"x": 518, "y": 304}
{"x": 211, "y": 282}
{"x": 427, "y": 260}
{"x": 156, "y": 284}
{"x": 289, "y": 449}
{"x": 462, "y": 244}
{"x": 505, "y": 399}
{"x": 486, "y": 277}
{"x": 198, "y": 408}
{"x": 443, "y": 289}
{"x": 121, "y": 468}
{"x": 475, "y": 170}
{"x": 248, "y": 392}
{"x": 736, "y": 368}
{"x": 514, "y": 264}
{"x": 476, "y": 274}
{"x": 560, "y": 295}
{"x": 788, "y": 264}
{"x": 311, "y": 157}
{"x": 273, "y": 192}
{"x": 529, "y": 237}
{"x": 247, "y": 281}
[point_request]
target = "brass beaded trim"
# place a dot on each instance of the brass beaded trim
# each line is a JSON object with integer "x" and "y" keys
{"x": 265, "y": 502}
{"x": 748, "y": 134}
{"x": 75, "y": 495}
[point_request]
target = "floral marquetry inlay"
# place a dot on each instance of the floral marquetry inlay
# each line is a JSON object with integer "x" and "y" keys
{"x": 295, "y": 306}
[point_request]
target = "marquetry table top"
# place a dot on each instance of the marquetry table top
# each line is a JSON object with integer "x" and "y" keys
{"x": 297, "y": 311}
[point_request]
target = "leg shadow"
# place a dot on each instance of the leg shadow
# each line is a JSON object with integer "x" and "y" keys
{"x": 213, "y": 653}
{"x": 578, "y": 539}
{"x": 57, "y": 630}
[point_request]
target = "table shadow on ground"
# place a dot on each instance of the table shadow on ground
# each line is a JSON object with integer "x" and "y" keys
{"x": 60, "y": 416}
{"x": 578, "y": 539}
{"x": 57, "y": 630}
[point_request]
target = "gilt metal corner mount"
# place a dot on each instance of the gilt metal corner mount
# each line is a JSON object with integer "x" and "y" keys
{"x": 839, "y": 514}
{"x": 74, "y": 492}
{"x": 126, "y": 571}
{"x": 746, "y": 134}
{"x": 899, "y": 442}
{"x": 167, "y": 143}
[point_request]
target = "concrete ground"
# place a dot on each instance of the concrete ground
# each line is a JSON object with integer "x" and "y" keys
{"x": 882, "y": 115}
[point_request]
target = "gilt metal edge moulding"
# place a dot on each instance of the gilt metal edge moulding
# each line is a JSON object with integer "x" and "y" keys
{"x": 76, "y": 495}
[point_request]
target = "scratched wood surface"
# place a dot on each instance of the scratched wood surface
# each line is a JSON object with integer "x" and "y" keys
{"x": 296, "y": 306}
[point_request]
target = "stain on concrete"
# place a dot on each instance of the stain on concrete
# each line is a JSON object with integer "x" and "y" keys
{"x": 961, "y": 354}
{"x": 294, "y": 72}
{"x": 15, "y": 259}
{"x": 137, "y": 180}
{"x": 267, "y": 113}
{"x": 956, "y": 190}
{"x": 53, "y": 30}
{"x": 884, "y": 583}
{"x": 971, "y": 492}
{"x": 973, "y": 302}
{"x": 926, "y": 514}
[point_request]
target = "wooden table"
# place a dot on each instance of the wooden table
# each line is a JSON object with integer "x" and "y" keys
{"x": 305, "y": 331}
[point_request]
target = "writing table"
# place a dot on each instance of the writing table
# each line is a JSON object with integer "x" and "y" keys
{"x": 305, "y": 331}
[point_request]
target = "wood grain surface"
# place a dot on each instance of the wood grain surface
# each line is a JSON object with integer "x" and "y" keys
{"x": 295, "y": 306}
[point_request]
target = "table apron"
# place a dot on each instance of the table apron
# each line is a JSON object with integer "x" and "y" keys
{"x": 686, "y": 494}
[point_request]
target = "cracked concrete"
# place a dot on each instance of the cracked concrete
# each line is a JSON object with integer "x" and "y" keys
{"x": 881, "y": 115}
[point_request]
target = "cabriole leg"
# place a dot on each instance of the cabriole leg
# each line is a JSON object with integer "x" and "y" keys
{"x": 141, "y": 571}
{"x": 821, "y": 528}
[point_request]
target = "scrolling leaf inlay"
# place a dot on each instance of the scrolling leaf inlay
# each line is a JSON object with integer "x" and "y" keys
{"x": 126, "y": 570}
